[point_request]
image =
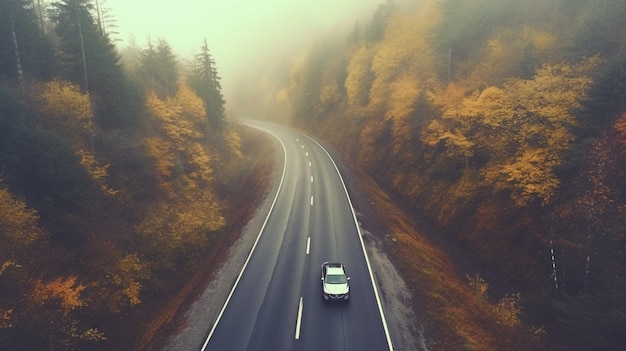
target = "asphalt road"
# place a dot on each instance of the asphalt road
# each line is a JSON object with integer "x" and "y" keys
{"x": 276, "y": 303}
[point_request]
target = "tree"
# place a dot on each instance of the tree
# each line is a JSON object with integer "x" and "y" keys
{"x": 90, "y": 60}
{"x": 22, "y": 38}
{"x": 158, "y": 69}
{"x": 205, "y": 81}
{"x": 524, "y": 127}
{"x": 360, "y": 77}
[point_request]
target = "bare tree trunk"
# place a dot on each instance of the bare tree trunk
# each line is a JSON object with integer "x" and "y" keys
{"x": 18, "y": 61}
{"x": 82, "y": 50}
{"x": 40, "y": 17}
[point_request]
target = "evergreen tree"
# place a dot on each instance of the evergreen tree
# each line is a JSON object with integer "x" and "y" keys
{"x": 89, "y": 58}
{"x": 158, "y": 69}
{"x": 205, "y": 81}
{"x": 23, "y": 45}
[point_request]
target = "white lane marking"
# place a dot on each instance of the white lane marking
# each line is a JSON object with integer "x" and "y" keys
{"x": 311, "y": 200}
{"x": 308, "y": 245}
{"x": 232, "y": 291}
{"x": 307, "y": 154}
{"x": 299, "y": 321}
{"x": 302, "y": 146}
{"x": 311, "y": 179}
{"x": 298, "y": 139}
{"x": 309, "y": 163}
{"x": 367, "y": 260}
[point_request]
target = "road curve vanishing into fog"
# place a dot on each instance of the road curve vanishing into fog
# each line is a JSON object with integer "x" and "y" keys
{"x": 276, "y": 302}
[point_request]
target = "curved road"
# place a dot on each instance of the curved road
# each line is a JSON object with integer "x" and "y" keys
{"x": 276, "y": 302}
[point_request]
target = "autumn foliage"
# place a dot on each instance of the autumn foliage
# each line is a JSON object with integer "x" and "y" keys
{"x": 503, "y": 123}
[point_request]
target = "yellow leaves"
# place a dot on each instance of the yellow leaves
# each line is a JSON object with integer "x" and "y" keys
{"x": 18, "y": 224}
{"x": 233, "y": 140}
{"x": 191, "y": 105}
{"x": 508, "y": 310}
{"x": 5, "y": 318}
{"x": 359, "y": 77}
{"x": 330, "y": 94}
{"x": 128, "y": 271}
{"x": 455, "y": 141}
{"x": 620, "y": 127}
{"x": 524, "y": 124}
{"x": 555, "y": 91}
{"x": 67, "y": 110}
{"x": 98, "y": 173}
{"x": 493, "y": 106}
{"x": 184, "y": 162}
{"x": 160, "y": 150}
{"x": 403, "y": 97}
{"x": 199, "y": 164}
{"x": 529, "y": 175}
{"x": 64, "y": 101}
{"x": 406, "y": 50}
{"x": 66, "y": 290}
{"x": 404, "y": 93}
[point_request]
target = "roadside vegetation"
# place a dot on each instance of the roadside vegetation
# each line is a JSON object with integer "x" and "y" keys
{"x": 502, "y": 122}
{"x": 116, "y": 182}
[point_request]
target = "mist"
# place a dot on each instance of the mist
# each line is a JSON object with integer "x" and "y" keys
{"x": 245, "y": 36}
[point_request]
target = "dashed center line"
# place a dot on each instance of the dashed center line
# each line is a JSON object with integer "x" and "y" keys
{"x": 311, "y": 179}
{"x": 311, "y": 200}
{"x": 299, "y": 321}
{"x": 308, "y": 245}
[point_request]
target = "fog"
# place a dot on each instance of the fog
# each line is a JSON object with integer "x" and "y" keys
{"x": 243, "y": 35}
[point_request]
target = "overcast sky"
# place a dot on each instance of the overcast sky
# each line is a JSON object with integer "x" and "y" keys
{"x": 238, "y": 31}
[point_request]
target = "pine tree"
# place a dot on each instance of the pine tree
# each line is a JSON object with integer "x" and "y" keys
{"x": 23, "y": 45}
{"x": 89, "y": 58}
{"x": 205, "y": 81}
{"x": 158, "y": 69}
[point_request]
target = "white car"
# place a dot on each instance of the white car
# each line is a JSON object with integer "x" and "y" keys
{"x": 335, "y": 282}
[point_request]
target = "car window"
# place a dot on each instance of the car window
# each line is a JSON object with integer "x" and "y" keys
{"x": 336, "y": 279}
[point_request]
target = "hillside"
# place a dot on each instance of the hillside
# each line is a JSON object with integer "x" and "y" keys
{"x": 117, "y": 184}
{"x": 502, "y": 122}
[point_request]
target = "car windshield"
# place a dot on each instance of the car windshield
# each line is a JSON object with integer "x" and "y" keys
{"x": 336, "y": 279}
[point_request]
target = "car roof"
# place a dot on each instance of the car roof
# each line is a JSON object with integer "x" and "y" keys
{"x": 335, "y": 271}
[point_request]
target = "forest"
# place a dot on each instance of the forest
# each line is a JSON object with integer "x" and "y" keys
{"x": 115, "y": 181}
{"x": 501, "y": 122}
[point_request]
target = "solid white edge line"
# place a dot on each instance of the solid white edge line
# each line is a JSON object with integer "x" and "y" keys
{"x": 219, "y": 316}
{"x": 299, "y": 320}
{"x": 367, "y": 260}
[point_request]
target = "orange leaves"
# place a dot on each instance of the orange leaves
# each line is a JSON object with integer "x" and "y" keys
{"x": 403, "y": 97}
{"x": 359, "y": 77}
{"x": 97, "y": 172}
{"x": 128, "y": 271}
{"x": 189, "y": 209}
{"x": 620, "y": 127}
{"x": 406, "y": 51}
{"x": 530, "y": 175}
{"x": 180, "y": 120}
{"x": 66, "y": 290}
{"x": 524, "y": 125}
{"x": 18, "y": 224}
